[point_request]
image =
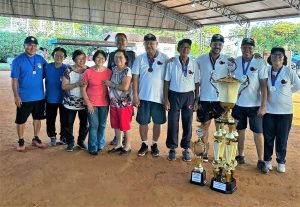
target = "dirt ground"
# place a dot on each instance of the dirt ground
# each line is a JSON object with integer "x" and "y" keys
{"x": 52, "y": 177}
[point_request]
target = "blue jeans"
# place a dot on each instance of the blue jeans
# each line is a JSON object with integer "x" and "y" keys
{"x": 97, "y": 126}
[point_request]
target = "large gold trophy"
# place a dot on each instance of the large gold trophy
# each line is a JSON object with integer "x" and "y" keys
{"x": 225, "y": 143}
{"x": 198, "y": 175}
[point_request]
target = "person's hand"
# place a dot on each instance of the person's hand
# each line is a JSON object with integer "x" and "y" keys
{"x": 261, "y": 111}
{"x": 107, "y": 83}
{"x": 167, "y": 105}
{"x": 136, "y": 101}
{"x": 195, "y": 105}
{"x": 18, "y": 101}
{"x": 90, "y": 108}
{"x": 82, "y": 83}
{"x": 171, "y": 60}
{"x": 257, "y": 56}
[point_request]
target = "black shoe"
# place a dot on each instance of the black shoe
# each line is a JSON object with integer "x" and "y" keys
{"x": 154, "y": 150}
{"x": 95, "y": 153}
{"x": 81, "y": 145}
{"x": 205, "y": 157}
{"x": 115, "y": 150}
{"x": 143, "y": 150}
{"x": 114, "y": 141}
{"x": 262, "y": 167}
{"x": 240, "y": 159}
{"x": 62, "y": 141}
{"x": 125, "y": 152}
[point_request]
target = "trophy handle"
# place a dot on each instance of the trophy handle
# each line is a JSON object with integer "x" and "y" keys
{"x": 211, "y": 80}
{"x": 247, "y": 83}
{"x": 233, "y": 68}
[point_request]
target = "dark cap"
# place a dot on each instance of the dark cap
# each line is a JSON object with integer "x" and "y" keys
{"x": 277, "y": 48}
{"x": 217, "y": 38}
{"x": 149, "y": 37}
{"x": 248, "y": 41}
{"x": 30, "y": 40}
{"x": 181, "y": 42}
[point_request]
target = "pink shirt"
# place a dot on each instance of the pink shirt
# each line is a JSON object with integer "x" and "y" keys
{"x": 96, "y": 90}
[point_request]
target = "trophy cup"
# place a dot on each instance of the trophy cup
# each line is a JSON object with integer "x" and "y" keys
{"x": 225, "y": 143}
{"x": 198, "y": 175}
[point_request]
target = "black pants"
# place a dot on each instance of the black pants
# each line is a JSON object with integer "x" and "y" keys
{"x": 69, "y": 118}
{"x": 51, "y": 114}
{"x": 180, "y": 102}
{"x": 276, "y": 127}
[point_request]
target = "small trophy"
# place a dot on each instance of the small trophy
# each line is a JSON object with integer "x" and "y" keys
{"x": 198, "y": 175}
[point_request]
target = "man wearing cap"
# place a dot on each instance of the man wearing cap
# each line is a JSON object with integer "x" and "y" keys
{"x": 27, "y": 85}
{"x": 148, "y": 81}
{"x": 121, "y": 43}
{"x": 251, "y": 103}
{"x": 181, "y": 80}
{"x": 210, "y": 64}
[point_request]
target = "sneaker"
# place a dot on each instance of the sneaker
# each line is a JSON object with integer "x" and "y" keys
{"x": 143, "y": 150}
{"x": 37, "y": 142}
{"x": 69, "y": 148}
{"x": 95, "y": 153}
{"x": 115, "y": 149}
{"x": 114, "y": 141}
{"x": 21, "y": 145}
{"x": 62, "y": 141}
{"x": 281, "y": 168}
{"x": 269, "y": 165}
{"x": 262, "y": 167}
{"x": 125, "y": 152}
{"x": 205, "y": 157}
{"x": 172, "y": 155}
{"x": 81, "y": 145}
{"x": 240, "y": 159}
{"x": 154, "y": 150}
{"x": 186, "y": 155}
{"x": 53, "y": 141}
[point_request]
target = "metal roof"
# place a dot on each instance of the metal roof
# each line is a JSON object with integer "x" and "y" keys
{"x": 157, "y": 14}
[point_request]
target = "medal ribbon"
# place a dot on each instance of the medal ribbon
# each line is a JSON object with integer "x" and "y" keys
{"x": 243, "y": 64}
{"x": 274, "y": 77}
{"x": 33, "y": 65}
{"x": 184, "y": 67}
{"x": 212, "y": 62}
{"x": 150, "y": 61}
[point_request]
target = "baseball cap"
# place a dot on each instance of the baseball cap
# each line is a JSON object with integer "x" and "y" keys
{"x": 30, "y": 40}
{"x": 149, "y": 37}
{"x": 248, "y": 41}
{"x": 217, "y": 38}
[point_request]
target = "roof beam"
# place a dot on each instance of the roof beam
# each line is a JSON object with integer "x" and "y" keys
{"x": 223, "y": 10}
{"x": 227, "y": 5}
{"x": 120, "y": 10}
{"x": 293, "y": 3}
{"x": 90, "y": 15}
{"x": 52, "y": 9}
{"x": 12, "y": 7}
{"x": 33, "y": 7}
{"x": 247, "y": 12}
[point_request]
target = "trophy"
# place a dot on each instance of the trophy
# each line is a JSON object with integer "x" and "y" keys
{"x": 225, "y": 143}
{"x": 198, "y": 175}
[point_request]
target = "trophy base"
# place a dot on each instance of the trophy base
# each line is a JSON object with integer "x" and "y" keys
{"x": 226, "y": 188}
{"x": 198, "y": 178}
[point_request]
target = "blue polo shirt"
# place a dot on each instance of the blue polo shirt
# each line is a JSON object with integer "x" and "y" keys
{"x": 53, "y": 77}
{"x": 30, "y": 73}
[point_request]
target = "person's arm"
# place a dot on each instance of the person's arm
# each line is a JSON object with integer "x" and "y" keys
{"x": 66, "y": 85}
{"x": 124, "y": 86}
{"x": 86, "y": 99}
{"x": 135, "y": 88}
{"x": 196, "y": 92}
{"x": 15, "y": 84}
{"x": 264, "y": 91}
{"x": 166, "y": 96}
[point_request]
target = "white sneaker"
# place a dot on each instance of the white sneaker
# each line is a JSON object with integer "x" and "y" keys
{"x": 269, "y": 165}
{"x": 281, "y": 168}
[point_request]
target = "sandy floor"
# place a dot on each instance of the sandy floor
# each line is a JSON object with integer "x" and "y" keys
{"x": 53, "y": 177}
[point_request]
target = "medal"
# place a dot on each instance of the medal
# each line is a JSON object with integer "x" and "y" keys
{"x": 150, "y": 62}
{"x": 272, "y": 89}
{"x": 150, "y": 70}
{"x": 244, "y": 78}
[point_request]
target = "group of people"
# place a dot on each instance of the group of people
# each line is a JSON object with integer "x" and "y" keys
{"x": 154, "y": 84}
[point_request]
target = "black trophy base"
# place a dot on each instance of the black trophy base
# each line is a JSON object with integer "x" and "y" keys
{"x": 198, "y": 178}
{"x": 226, "y": 188}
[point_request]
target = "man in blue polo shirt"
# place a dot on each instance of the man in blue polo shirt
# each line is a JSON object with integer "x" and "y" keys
{"x": 27, "y": 84}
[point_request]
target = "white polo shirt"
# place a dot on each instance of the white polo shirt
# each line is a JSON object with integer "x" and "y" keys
{"x": 207, "y": 91}
{"x": 151, "y": 84}
{"x": 251, "y": 96}
{"x": 179, "y": 82}
{"x": 280, "y": 100}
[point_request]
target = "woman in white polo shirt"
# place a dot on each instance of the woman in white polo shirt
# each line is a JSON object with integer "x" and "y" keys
{"x": 282, "y": 82}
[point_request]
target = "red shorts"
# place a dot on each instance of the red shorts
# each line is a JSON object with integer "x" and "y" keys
{"x": 120, "y": 118}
